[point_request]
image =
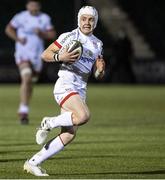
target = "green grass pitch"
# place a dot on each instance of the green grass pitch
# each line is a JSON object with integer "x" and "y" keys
{"x": 125, "y": 137}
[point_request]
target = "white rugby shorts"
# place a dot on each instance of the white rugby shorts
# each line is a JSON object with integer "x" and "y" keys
{"x": 65, "y": 87}
{"x": 34, "y": 58}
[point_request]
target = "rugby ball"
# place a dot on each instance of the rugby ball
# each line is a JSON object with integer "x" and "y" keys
{"x": 75, "y": 46}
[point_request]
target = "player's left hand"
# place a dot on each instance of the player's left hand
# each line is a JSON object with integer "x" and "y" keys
{"x": 100, "y": 64}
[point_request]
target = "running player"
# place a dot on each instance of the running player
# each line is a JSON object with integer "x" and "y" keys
{"x": 70, "y": 88}
{"x": 29, "y": 29}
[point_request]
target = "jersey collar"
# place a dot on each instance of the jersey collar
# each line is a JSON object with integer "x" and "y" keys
{"x": 82, "y": 34}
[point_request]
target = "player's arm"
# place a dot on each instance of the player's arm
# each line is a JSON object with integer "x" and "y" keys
{"x": 51, "y": 55}
{"x": 11, "y": 33}
{"x": 47, "y": 35}
{"x": 49, "y": 32}
{"x": 99, "y": 68}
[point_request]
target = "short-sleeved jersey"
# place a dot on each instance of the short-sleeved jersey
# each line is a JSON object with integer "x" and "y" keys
{"x": 92, "y": 48}
{"x": 25, "y": 23}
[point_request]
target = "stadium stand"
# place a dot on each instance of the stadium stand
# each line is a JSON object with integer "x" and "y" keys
{"x": 147, "y": 16}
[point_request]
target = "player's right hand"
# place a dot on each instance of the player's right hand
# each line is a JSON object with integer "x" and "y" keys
{"x": 100, "y": 64}
{"x": 68, "y": 57}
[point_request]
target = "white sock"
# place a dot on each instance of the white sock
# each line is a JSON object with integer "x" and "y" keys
{"x": 64, "y": 119}
{"x": 49, "y": 149}
{"x": 23, "y": 108}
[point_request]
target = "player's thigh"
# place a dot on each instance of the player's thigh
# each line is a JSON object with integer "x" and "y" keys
{"x": 24, "y": 64}
{"x": 79, "y": 108}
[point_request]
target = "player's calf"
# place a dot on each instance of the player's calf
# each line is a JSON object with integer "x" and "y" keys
{"x": 68, "y": 134}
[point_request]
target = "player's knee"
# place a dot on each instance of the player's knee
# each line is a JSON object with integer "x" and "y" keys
{"x": 26, "y": 75}
{"x": 27, "y": 71}
{"x": 83, "y": 118}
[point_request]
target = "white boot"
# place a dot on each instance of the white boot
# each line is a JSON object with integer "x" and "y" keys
{"x": 43, "y": 131}
{"x": 35, "y": 170}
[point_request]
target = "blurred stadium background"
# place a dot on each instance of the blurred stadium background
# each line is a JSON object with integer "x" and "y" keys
{"x": 143, "y": 22}
{"x": 125, "y": 137}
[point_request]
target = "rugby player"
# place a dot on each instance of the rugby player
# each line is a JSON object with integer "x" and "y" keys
{"x": 29, "y": 29}
{"x": 70, "y": 88}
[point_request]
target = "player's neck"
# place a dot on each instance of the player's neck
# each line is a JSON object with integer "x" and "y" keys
{"x": 34, "y": 13}
{"x": 84, "y": 34}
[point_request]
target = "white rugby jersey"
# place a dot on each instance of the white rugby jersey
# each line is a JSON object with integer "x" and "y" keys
{"x": 92, "y": 48}
{"x": 25, "y": 23}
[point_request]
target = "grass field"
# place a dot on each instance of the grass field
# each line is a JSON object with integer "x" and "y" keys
{"x": 124, "y": 139}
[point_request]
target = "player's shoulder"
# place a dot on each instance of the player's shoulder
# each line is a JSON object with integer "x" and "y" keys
{"x": 97, "y": 40}
{"x": 69, "y": 34}
{"x": 22, "y": 13}
{"x": 66, "y": 36}
{"x": 44, "y": 15}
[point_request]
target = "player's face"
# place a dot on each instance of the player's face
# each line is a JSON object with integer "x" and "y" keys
{"x": 33, "y": 7}
{"x": 87, "y": 24}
